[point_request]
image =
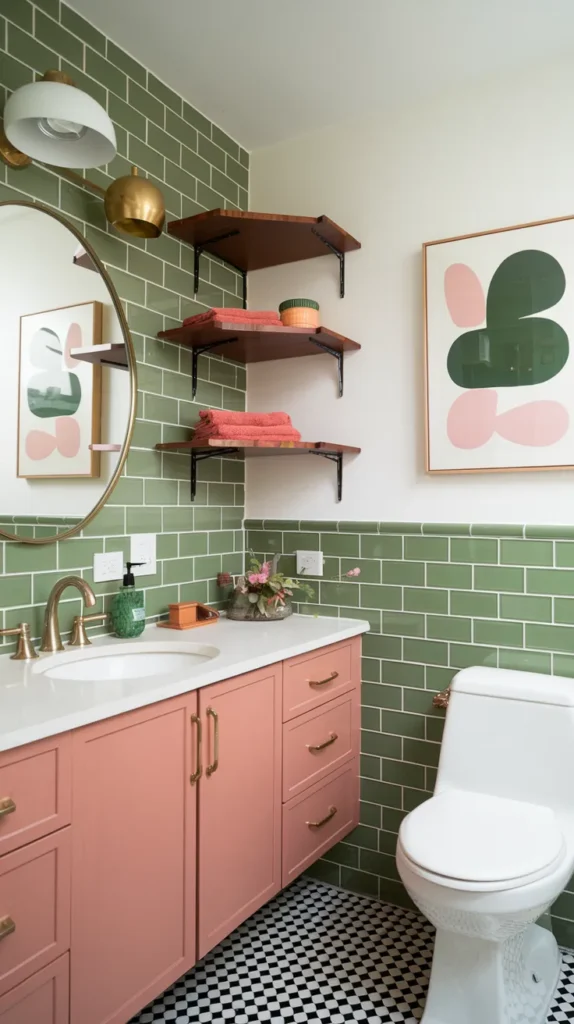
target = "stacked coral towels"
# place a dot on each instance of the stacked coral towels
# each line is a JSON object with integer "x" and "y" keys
{"x": 245, "y": 426}
{"x": 253, "y": 318}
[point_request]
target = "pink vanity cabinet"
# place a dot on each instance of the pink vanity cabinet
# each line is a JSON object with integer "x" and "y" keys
{"x": 131, "y": 847}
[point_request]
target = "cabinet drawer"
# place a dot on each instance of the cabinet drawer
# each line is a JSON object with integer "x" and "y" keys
{"x": 319, "y": 818}
{"x": 312, "y": 679}
{"x": 34, "y": 907}
{"x": 43, "y": 999}
{"x": 35, "y": 787}
{"x": 320, "y": 741}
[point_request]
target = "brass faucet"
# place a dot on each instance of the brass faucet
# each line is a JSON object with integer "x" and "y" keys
{"x": 51, "y": 639}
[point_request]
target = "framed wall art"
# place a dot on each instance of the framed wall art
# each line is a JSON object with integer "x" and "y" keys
{"x": 59, "y": 407}
{"x": 499, "y": 325}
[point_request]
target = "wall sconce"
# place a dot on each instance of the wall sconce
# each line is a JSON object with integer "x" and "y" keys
{"x": 54, "y": 122}
{"x": 135, "y": 206}
{"x": 57, "y": 123}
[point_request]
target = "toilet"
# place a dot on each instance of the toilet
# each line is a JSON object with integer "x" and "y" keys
{"x": 493, "y": 848}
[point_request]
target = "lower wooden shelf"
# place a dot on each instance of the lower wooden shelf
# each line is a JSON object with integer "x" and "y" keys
{"x": 201, "y": 450}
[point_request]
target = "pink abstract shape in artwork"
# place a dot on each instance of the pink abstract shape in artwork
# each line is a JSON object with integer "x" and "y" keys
{"x": 73, "y": 340}
{"x": 472, "y": 421}
{"x": 535, "y": 424}
{"x": 464, "y": 296}
{"x": 40, "y": 445}
{"x": 67, "y": 436}
{"x": 471, "y": 418}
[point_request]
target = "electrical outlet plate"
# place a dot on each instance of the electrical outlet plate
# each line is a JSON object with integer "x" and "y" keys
{"x": 309, "y": 563}
{"x": 143, "y": 549}
{"x": 109, "y": 566}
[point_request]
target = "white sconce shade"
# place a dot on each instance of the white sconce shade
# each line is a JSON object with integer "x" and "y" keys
{"x": 59, "y": 124}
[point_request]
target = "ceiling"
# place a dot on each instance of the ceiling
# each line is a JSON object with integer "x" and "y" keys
{"x": 268, "y": 70}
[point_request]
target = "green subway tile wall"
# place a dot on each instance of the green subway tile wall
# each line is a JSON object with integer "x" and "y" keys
{"x": 438, "y": 598}
{"x": 184, "y": 153}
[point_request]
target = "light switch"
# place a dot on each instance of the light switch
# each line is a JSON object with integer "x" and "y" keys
{"x": 109, "y": 566}
{"x": 309, "y": 563}
{"x": 143, "y": 549}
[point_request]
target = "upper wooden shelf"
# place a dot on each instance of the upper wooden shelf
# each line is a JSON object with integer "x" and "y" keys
{"x": 252, "y": 241}
{"x": 107, "y": 355}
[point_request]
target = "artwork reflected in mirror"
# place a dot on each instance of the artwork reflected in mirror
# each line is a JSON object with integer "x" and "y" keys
{"x": 67, "y": 385}
{"x": 60, "y": 396}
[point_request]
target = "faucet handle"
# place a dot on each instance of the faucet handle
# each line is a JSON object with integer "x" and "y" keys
{"x": 25, "y": 650}
{"x": 79, "y": 636}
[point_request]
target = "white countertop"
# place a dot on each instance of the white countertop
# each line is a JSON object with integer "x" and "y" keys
{"x": 33, "y": 706}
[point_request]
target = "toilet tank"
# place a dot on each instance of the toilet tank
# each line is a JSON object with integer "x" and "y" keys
{"x": 510, "y": 734}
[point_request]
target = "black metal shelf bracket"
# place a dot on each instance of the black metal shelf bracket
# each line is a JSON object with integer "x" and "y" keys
{"x": 340, "y": 256}
{"x": 336, "y": 457}
{"x": 200, "y": 351}
{"x": 338, "y": 356}
{"x": 198, "y": 251}
{"x": 199, "y": 456}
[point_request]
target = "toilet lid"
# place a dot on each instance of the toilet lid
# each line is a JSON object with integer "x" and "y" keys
{"x": 479, "y": 838}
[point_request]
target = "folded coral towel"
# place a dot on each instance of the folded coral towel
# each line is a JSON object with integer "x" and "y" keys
{"x": 246, "y": 419}
{"x": 233, "y": 433}
{"x": 218, "y": 315}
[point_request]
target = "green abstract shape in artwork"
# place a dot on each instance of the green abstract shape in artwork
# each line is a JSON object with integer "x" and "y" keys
{"x": 52, "y": 401}
{"x": 515, "y": 349}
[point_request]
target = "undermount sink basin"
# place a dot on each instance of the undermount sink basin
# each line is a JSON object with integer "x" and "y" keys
{"x": 138, "y": 661}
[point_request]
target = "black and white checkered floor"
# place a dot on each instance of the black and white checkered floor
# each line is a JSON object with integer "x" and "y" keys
{"x": 318, "y": 955}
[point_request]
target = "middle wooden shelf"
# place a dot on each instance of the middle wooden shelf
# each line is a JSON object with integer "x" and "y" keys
{"x": 250, "y": 343}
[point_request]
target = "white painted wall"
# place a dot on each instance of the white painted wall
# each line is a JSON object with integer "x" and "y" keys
{"x": 37, "y": 273}
{"x": 478, "y": 159}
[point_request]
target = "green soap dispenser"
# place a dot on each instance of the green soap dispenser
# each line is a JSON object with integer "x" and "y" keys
{"x": 127, "y": 613}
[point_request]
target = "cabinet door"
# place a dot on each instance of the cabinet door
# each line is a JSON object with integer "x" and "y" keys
{"x": 43, "y": 999}
{"x": 134, "y": 862}
{"x": 239, "y": 801}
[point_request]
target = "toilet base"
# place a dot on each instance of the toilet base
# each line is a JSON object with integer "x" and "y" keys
{"x": 474, "y": 980}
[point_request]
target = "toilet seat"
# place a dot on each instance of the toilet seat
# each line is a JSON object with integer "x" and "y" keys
{"x": 481, "y": 843}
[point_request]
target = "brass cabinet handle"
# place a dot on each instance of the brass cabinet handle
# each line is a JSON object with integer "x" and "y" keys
{"x": 313, "y": 747}
{"x": 321, "y": 682}
{"x": 7, "y": 806}
{"x": 7, "y": 926}
{"x": 323, "y": 821}
{"x": 211, "y": 768}
{"x": 196, "y": 775}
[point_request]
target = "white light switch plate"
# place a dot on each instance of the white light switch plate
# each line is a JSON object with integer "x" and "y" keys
{"x": 109, "y": 566}
{"x": 143, "y": 549}
{"x": 309, "y": 563}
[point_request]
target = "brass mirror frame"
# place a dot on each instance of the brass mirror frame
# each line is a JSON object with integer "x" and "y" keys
{"x": 132, "y": 369}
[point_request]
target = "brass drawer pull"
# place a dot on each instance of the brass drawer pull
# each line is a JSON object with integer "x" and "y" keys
{"x": 313, "y": 747}
{"x": 321, "y": 682}
{"x": 196, "y": 775}
{"x": 211, "y": 768}
{"x": 7, "y": 806}
{"x": 323, "y": 821}
{"x": 7, "y": 926}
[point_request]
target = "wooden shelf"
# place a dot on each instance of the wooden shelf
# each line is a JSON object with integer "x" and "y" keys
{"x": 107, "y": 355}
{"x": 253, "y": 241}
{"x": 248, "y": 343}
{"x": 201, "y": 450}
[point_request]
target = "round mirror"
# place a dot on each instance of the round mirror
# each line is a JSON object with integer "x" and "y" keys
{"x": 68, "y": 377}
